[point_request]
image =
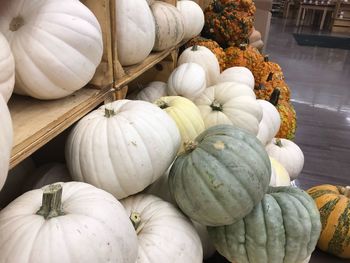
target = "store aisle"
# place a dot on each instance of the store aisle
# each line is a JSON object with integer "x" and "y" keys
{"x": 320, "y": 82}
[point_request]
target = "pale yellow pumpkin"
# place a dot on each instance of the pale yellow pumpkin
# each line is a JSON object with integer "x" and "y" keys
{"x": 279, "y": 174}
{"x": 186, "y": 115}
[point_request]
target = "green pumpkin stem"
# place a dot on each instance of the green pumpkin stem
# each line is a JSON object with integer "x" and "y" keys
{"x": 51, "y": 202}
{"x": 278, "y": 142}
{"x": 190, "y": 146}
{"x": 135, "y": 218}
{"x": 270, "y": 76}
{"x": 161, "y": 104}
{"x": 194, "y": 48}
{"x": 275, "y": 96}
{"x": 109, "y": 112}
{"x": 16, "y": 23}
{"x": 216, "y": 106}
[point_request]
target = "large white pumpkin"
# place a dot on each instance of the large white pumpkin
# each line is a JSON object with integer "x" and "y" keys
{"x": 205, "y": 58}
{"x": 270, "y": 123}
{"x": 85, "y": 225}
{"x": 57, "y": 45}
{"x": 230, "y": 103}
{"x": 122, "y": 147}
{"x": 164, "y": 233}
{"x": 193, "y": 18}
{"x": 135, "y": 31}
{"x": 187, "y": 80}
{"x": 153, "y": 91}
{"x": 169, "y": 25}
{"x": 288, "y": 154}
{"x": 6, "y": 137}
{"x": 239, "y": 75}
{"x": 7, "y": 69}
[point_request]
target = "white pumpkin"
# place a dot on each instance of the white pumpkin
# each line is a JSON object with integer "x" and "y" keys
{"x": 207, "y": 245}
{"x": 6, "y": 137}
{"x": 153, "y": 91}
{"x": 205, "y": 58}
{"x": 239, "y": 75}
{"x": 86, "y": 224}
{"x": 7, "y": 69}
{"x": 230, "y": 103}
{"x": 187, "y": 80}
{"x": 164, "y": 233}
{"x": 122, "y": 147}
{"x": 288, "y": 154}
{"x": 170, "y": 29}
{"x": 49, "y": 173}
{"x": 193, "y": 18}
{"x": 279, "y": 174}
{"x": 57, "y": 45}
{"x": 135, "y": 30}
{"x": 270, "y": 123}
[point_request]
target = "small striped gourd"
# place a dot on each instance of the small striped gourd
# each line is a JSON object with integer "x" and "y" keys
{"x": 333, "y": 203}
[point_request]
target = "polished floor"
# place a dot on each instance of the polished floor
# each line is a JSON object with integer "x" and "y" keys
{"x": 320, "y": 83}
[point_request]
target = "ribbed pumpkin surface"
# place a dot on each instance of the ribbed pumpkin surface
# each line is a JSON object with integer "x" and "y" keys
{"x": 222, "y": 177}
{"x": 334, "y": 208}
{"x": 283, "y": 227}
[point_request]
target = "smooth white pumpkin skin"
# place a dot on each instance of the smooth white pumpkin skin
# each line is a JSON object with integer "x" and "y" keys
{"x": 125, "y": 153}
{"x": 7, "y": 69}
{"x": 169, "y": 25}
{"x": 187, "y": 80}
{"x": 193, "y": 18}
{"x": 240, "y": 75}
{"x": 56, "y": 50}
{"x": 289, "y": 155}
{"x": 135, "y": 30}
{"x": 153, "y": 91}
{"x": 166, "y": 234}
{"x": 279, "y": 174}
{"x": 270, "y": 123}
{"x": 6, "y": 137}
{"x": 205, "y": 58}
{"x": 95, "y": 228}
{"x": 239, "y": 106}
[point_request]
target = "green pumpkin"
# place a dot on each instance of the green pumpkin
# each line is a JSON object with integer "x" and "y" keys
{"x": 283, "y": 227}
{"x": 221, "y": 176}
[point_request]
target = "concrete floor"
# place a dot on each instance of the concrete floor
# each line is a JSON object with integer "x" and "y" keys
{"x": 320, "y": 82}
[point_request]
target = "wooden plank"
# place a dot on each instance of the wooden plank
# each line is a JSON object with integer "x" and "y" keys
{"x": 104, "y": 72}
{"x": 36, "y": 122}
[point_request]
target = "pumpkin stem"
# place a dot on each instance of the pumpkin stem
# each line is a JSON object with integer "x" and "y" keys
{"x": 189, "y": 146}
{"x": 270, "y": 76}
{"x": 260, "y": 87}
{"x": 278, "y": 142}
{"x": 216, "y": 106}
{"x": 16, "y": 23}
{"x": 266, "y": 58}
{"x": 275, "y": 96}
{"x": 345, "y": 191}
{"x": 194, "y": 48}
{"x": 217, "y": 7}
{"x": 51, "y": 202}
{"x": 243, "y": 47}
{"x": 135, "y": 218}
{"x": 161, "y": 104}
{"x": 109, "y": 113}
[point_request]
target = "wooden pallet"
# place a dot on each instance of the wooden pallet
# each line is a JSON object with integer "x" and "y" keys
{"x": 37, "y": 122}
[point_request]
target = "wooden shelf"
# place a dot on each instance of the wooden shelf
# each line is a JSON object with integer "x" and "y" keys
{"x": 37, "y": 122}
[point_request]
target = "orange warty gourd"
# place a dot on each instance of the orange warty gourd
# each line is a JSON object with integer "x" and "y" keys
{"x": 333, "y": 202}
{"x": 243, "y": 56}
{"x": 264, "y": 90}
{"x": 267, "y": 70}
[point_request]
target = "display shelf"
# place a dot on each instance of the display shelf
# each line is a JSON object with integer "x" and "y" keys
{"x": 37, "y": 122}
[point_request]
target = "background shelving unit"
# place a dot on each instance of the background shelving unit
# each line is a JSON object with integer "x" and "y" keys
{"x": 341, "y": 22}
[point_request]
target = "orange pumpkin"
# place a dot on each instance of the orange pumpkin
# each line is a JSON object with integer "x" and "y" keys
{"x": 243, "y": 56}
{"x": 333, "y": 202}
{"x": 264, "y": 90}
{"x": 266, "y": 71}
